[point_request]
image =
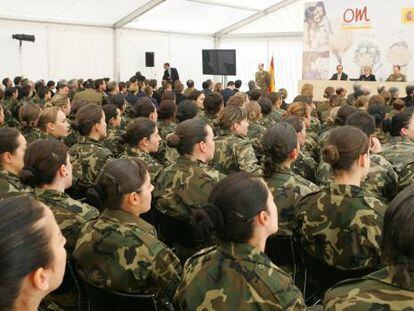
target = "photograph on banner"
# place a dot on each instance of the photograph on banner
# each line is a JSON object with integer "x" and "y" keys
{"x": 370, "y": 35}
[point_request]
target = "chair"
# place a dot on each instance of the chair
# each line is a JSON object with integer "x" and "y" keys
{"x": 281, "y": 251}
{"x": 106, "y": 300}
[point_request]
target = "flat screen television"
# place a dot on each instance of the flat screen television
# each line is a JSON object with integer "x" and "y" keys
{"x": 219, "y": 62}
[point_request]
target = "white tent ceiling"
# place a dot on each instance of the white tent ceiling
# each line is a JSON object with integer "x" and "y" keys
{"x": 208, "y": 17}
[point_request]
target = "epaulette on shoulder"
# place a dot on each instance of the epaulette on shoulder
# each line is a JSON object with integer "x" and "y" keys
{"x": 344, "y": 282}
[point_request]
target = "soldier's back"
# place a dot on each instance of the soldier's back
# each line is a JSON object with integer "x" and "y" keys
{"x": 372, "y": 292}
{"x": 235, "y": 276}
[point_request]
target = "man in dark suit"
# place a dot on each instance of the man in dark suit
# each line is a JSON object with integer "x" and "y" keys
{"x": 367, "y": 75}
{"x": 339, "y": 75}
{"x": 170, "y": 74}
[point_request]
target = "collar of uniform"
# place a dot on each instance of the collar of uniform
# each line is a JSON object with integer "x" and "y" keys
{"x": 88, "y": 140}
{"x": 386, "y": 275}
{"x": 401, "y": 139}
{"x": 53, "y": 194}
{"x": 189, "y": 161}
{"x": 227, "y": 132}
{"x": 128, "y": 218}
{"x": 10, "y": 177}
{"x": 282, "y": 170}
{"x": 344, "y": 190}
{"x": 244, "y": 251}
{"x": 134, "y": 151}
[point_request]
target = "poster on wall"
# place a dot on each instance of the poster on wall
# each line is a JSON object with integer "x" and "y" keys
{"x": 374, "y": 34}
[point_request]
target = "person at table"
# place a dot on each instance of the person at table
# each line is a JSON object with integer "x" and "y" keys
{"x": 339, "y": 75}
{"x": 367, "y": 75}
{"x": 396, "y": 76}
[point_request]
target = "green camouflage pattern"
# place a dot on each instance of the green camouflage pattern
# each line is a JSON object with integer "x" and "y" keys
{"x": 121, "y": 252}
{"x": 383, "y": 137}
{"x": 88, "y": 156}
{"x": 11, "y": 111}
{"x": 341, "y": 226}
{"x": 406, "y": 177}
{"x": 255, "y": 134}
{"x": 305, "y": 166}
{"x": 10, "y": 184}
{"x": 400, "y": 152}
{"x": 276, "y": 115}
{"x": 267, "y": 121}
{"x": 235, "y": 153}
{"x": 236, "y": 276}
{"x": 165, "y": 128}
{"x": 211, "y": 120}
{"x": 287, "y": 189}
{"x": 183, "y": 186}
{"x": 315, "y": 125}
{"x": 111, "y": 141}
{"x": 70, "y": 214}
{"x": 31, "y": 134}
{"x": 375, "y": 291}
{"x": 152, "y": 164}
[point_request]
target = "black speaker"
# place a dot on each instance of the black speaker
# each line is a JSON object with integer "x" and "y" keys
{"x": 149, "y": 59}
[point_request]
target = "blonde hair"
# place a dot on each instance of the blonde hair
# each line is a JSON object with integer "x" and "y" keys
{"x": 48, "y": 115}
{"x": 60, "y": 100}
{"x": 231, "y": 115}
{"x": 253, "y": 110}
{"x": 300, "y": 110}
{"x": 307, "y": 90}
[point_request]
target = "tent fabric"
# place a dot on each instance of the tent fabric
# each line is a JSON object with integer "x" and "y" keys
{"x": 186, "y": 16}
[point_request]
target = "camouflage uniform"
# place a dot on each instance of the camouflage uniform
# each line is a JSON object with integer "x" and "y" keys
{"x": 184, "y": 186}
{"x": 88, "y": 156}
{"x": 287, "y": 189}
{"x": 375, "y": 291}
{"x": 315, "y": 125}
{"x": 152, "y": 165}
{"x": 120, "y": 251}
{"x": 211, "y": 120}
{"x": 9, "y": 184}
{"x": 305, "y": 166}
{"x": 400, "y": 152}
{"x": 255, "y": 134}
{"x": 236, "y": 276}
{"x": 235, "y": 153}
{"x": 111, "y": 141}
{"x": 381, "y": 180}
{"x": 70, "y": 214}
{"x": 323, "y": 109}
{"x": 276, "y": 115}
{"x": 263, "y": 80}
{"x": 10, "y": 106}
{"x": 31, "y": 134}
{"x": 267, "y": 121}
{"x": 382, "y": 136}
{"x": 165, "y": 128}
{"x": 341, "y": 226}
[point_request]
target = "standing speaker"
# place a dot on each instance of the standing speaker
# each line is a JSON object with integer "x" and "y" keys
{"x": 149, "y": 59}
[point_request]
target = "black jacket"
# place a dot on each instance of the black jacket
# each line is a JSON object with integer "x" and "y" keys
{"x": 344, "y": 77}
{"x": 174, "y": 75}
{"x": 371, "y": 77}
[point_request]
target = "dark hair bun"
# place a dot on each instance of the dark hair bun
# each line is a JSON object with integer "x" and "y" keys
{"x": 122, "y": 140}
{"x": 28, "y": 177}
{"x": 173, "y": 140}
{"x": 95, "y": 196}
{"x": 206, "y": 220}
{"x": 330, "y": 154}
{"x": 75, "y": 125}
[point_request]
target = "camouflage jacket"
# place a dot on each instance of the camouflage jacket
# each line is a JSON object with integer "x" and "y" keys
{"x": 70, "y": 214}
{"x": 255, "y": 134}
{"x": 88, "y": 156}
{"x": 31, "y": 134}
{"x": 382, "y": 136}
{"x": 111, "y": 141}
{"x": 305, "y": 166}
{"x": 235, "y": 153}
{"x": 121, "y": 252}
{"x": 381, "y": 180}
{"x": 152, "y": 165}
{"x": 165, "y": 128}
{"x": 400, "y": 152}
{"x": 184, "y": 186}
{"x": 267, "y": 121}
{"x": 341, "y": 226}
{"x": 315, "y": 125}
{"x": 9, "y": 184}
{"x": 211, "y": 120}
{"x": 375, "y": 291}
{"x": 287, "y": 189}
{"x": 276, "y": 115}
{"x": 235, "y": 276}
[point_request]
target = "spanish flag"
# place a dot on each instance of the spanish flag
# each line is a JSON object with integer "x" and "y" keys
{"x": 272, "y": 87}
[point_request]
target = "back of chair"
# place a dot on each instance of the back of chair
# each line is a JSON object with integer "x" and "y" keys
{"x": 175, "y": 231}
{"x": 106, "y": 300}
